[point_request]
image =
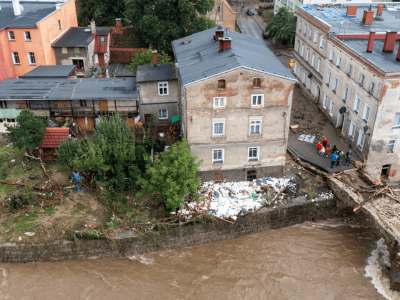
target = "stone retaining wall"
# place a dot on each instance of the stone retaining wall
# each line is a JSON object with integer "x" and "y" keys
{"x": 173, "y": 238}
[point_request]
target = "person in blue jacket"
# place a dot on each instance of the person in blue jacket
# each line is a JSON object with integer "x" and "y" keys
{"x": 333, "y": 157}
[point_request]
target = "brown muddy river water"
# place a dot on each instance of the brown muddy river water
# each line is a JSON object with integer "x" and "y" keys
{"x": 334, "y": 259}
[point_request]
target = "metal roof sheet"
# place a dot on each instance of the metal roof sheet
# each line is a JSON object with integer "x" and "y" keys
{"x": 69, "y": 89}
{"x": 161, "y": 72}
{"x": 201, "y": 58}
{"x": 60, "y": 71}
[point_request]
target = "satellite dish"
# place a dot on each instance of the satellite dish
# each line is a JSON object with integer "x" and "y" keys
{"x": 342, "y": 110}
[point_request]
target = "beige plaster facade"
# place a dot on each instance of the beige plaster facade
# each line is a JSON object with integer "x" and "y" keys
{"x": 223, "y": 13}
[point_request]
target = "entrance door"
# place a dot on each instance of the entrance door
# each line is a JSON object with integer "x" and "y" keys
{"x": 340, "y": 119}
{"x": 101, "y": 58}
{"x": 130, "y": 121}
{"x": 103, "y": 105}
{"x": 147, "y": 119}
{"x": 385, "y": 170}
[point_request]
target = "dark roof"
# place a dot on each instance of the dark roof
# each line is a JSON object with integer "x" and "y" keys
{"x": 160, "y": 73}
{"x": 77, "y": 37}
{"x": 50, "y": 72}
{"x": 336, "y": 13}
{"x": 54, "y": 136}
{"x": 384, "y": 60}
{"x": 69, "y": 89}
{"x": 33, "y": 12}
{"x": 200, "y": 58}
{"x": 102, "y": 30}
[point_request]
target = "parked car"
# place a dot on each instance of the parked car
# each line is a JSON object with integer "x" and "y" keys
{"x": 250, "y": 11}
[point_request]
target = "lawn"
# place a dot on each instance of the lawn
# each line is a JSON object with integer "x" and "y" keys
{"x": 267, "y": 15}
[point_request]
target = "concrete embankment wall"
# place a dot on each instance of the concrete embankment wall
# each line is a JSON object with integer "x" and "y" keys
{"x": 176, "y": 237}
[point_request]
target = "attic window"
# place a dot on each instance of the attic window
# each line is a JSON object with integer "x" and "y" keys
{"x": 221, "y": 84}
{"x": 256, "y": 82}
{"x": 186, "y": 41}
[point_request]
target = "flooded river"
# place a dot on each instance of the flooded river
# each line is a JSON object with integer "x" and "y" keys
{"x": 334, "y": 259}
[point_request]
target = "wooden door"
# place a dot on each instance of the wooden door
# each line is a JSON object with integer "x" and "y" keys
{"x": 131, "y": 122}
{"x": 101, "y": 58}
{"x": 22, "y": 104}
{"x": 90, "y": 124}
{"x": 81, "y": 122}
{"x": 103, "y": 105}
{"x": 147, "y": 119}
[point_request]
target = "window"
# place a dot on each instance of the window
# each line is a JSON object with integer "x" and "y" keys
{"x": 298, "y": 47}
{"x": 316, "y": 37}
{"x": 319, "y": 65}
{"x": 367, "y": 111}
{"x": 331, "y": 108}
{"x": 308, "y": 55}
{"x": 257, "y": 100}
{"x": 295, "y": 68}
{"x": 219, "y": 102}
{"x": 345, "y": 94}
{"x": 396, "y": 122}
{"x": 331, "y": 55}
{"x": 3, "y": 104}
{"x": 83, "y": 102}
{"x": 312, "y": 60}
{"x": 339, "y": 61}
{"x": 300, "y": 26}
{"x": 219, "y": 128}
{"x": 349, "y": 69}
{"x": 302, "y": 51}
{"x": 357, "y": 103}
{"x": 162, "y": 114}
{"x": 218, "y": 9}
{"x": 362, "y": 79}
{"x": 253, "y": 153}
{"x": 11, "y": 36}
{"x": 218, "y": 156}
{"x": 310, "y": 34}
{"x": 360, "y": 141}
{"x": 15, "y": 57}
{"x": 59, "y": 24}
{"x": 325, "y": 102}
{"x": 328, "y": 78}
{"x": 256, "y": 82}
{"x": 352, "y": 130}
{"x": 27, "y": 36}
{"x": 305, "y": 78}
{"x": 77, "y": 51}
{"x": 371, "y": 87}
{"x": 305, "y": 30}
{"x": 335, "y": 84}
{"x": 78, "y": 63}
{"x": 321, "y": 42}
{"x": 391, "y": 147}
{"x": 163, "y": 88}
{"x": 31, "y": 57}
{"x": 221, "y": 84}
{"x": 309, "y": 84}
{"x": 102, "y": 39}
{"x": 255, "y": 127}
{"x": 64, "y": 50}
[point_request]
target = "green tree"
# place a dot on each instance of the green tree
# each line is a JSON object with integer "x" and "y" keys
{"x": 173, "y": 175}
{"x": 67, "y": 152}
{"x": 29, "y": 132}
{"x": 146, "y": 58}
{"x": 104, "y": 12}
{"x": 159, "y": 22}
{"x": 281, "y": 28}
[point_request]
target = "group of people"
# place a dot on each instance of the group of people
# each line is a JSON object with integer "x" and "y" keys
{"x": 336, "y": 154}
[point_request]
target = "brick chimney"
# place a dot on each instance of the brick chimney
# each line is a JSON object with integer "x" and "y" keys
{"x": 16, "y": 7}
{"x": 351, "y": 10}
{"x": 368, "y": 17}
{"x": 93, "y": 27}
{"x": 219, "y": 33}
{"x": 379, "y": 12}
{"x": 118, "y": 22}
{"x": 390, "y": 41}
{"x": 154, "y": 58}
{"x": 371, "y": 40}
{"x": 398, "y": 53}
{"x": 224, "y": 44}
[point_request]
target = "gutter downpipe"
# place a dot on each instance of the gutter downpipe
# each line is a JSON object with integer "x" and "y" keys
{"x": 87, "y": 58}
{"x": 140, "y": 103}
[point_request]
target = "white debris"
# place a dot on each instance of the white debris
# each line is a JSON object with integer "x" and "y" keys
{"x": 30, "y": 233}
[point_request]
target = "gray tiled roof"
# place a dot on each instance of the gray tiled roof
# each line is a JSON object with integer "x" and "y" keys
{"x": 69, "y": 89}
{"x": 50, "y": 72}
{"x": 78, "y": 37}
{"x": 32, "y": 13}
{"x": 161, "y": 72}
{"x": 201, "y": 58}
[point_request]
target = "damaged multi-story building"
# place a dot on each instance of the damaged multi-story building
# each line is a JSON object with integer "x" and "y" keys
{"x": 236, "y": 99}
{"x": 348, "y": 58}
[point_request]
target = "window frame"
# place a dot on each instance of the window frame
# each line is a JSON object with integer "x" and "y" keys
{"x": 160, "y": 111}
{"x": 373, "y": 87}
{"x": 328, "y": 78}
{"x": 218, "y": 161}
{"x": 331, "y": 55}
{"x": 396, "y": 118}
{"x": 319, "y": 65}
{"x": 302, "y": 51}
{"x": 3, "y": 104}
{"x": 77, "y": 65}
{"x": 310, "y": 33}
{"x": 59, "y": 24}
{"x": 349, "y": 70}
{"x": 331, "y": 108}
{"x": 300, "y": 25}
{"x": 219, "y": 106}
{"x": 255, "y": 82}
{"x": 30, "y": 37}
{"x": 344, "y": 99}
{"x": 64, "y": 52}
{"x": 362, "y": 80}
{"x": 30, "y": 55}
{"x": 325, "y": 101}
{"x": 339, "y": 61}
{"x": 308, "y": 54}
{"x": 394, "y": 144}
{"x": 312, "y": 60}
{"x": 321, "y": 42}
{"x": 352, "y": 131}
{"x": 223, "y": 129}
{"x": 218, "y": 84}
{"x": 361, "y": 138}
{"x": 305, "y": 30}
{"x": 15, "y": 54}
{"x": 102, "y": 40}
{"x": 255, "y": 125}
{"x": 9, "y": 35}
{"x": 295, "y": 68}
{"x": 252, "y": 158}
{"x": 335, "y": 84}
{"x": 257, "y": 95}
{"x": 366, "y": 106}
{"x": 158, "y": 88}
{"x": 357, "y": 111}
{"x": 77, "y": 50}
{"x": 316, "y": 37}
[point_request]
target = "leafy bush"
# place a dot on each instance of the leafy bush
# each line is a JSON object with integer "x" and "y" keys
{"x": 67, "y": 152}
{"x": 281, "y": 27}
{"x": 91, "y": 234}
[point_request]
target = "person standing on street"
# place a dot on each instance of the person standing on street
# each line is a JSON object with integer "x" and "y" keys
{"x": 324, "y": 142}
{"x": 319, "y": 147}
{"x": 349, "y": 155}
{"x": 338, "y": 159}
{"x": 333, "y": 157}
{"x": 327, "y": 151}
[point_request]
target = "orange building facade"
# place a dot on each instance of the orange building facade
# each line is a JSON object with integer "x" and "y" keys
{"x": 24, "y": 48}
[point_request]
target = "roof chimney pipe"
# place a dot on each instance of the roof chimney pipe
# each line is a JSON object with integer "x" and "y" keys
{"x": 16, "y": 7}
{"x": 368, "y": 17}
{"x": 379, "y": 12}
{"x": 219, "y": 33}
{"x": 154, "y": 58}
{"x": 351, "y": 10}
{"x": 93, "y": 27}
{"x": 371, "y": 40}
{"x": 390, "y": 41}
{"x": 224, "y": 44}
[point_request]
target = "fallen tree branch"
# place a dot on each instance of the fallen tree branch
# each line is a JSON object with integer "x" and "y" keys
{"x": 12, "y": 183}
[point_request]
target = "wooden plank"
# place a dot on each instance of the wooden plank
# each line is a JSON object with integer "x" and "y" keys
{"x": 103, "y": 106}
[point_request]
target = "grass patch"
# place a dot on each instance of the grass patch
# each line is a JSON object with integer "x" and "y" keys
{"x": 237, "y": 29}
{"x": 267, "y": 16}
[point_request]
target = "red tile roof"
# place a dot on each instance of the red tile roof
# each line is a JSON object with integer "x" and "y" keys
{"x": 53, "y": 137}
{"x": 100, "y": 47}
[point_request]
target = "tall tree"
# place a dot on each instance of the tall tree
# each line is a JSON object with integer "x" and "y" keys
{"x": 29, "y": 132}
{"x": 282, "y": 28}
{"x": 104, "y": 12}
{"x": 159, "y": 22}
{"x": 146, "y": 58}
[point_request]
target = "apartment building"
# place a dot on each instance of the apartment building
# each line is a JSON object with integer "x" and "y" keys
{"x": 360, "y": 88}
{"x": 222, "y": 13}
{"x": 26, "y": 32}
{"x": 236, "y": 100}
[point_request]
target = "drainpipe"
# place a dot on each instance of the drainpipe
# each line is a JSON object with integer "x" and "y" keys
{"x": 184, "y": 113}
{"x": 140, "y": 104}
{"x": 87, "y": 59}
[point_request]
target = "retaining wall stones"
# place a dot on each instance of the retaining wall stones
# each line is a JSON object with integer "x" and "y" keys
{"x": 176, "y": 237}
